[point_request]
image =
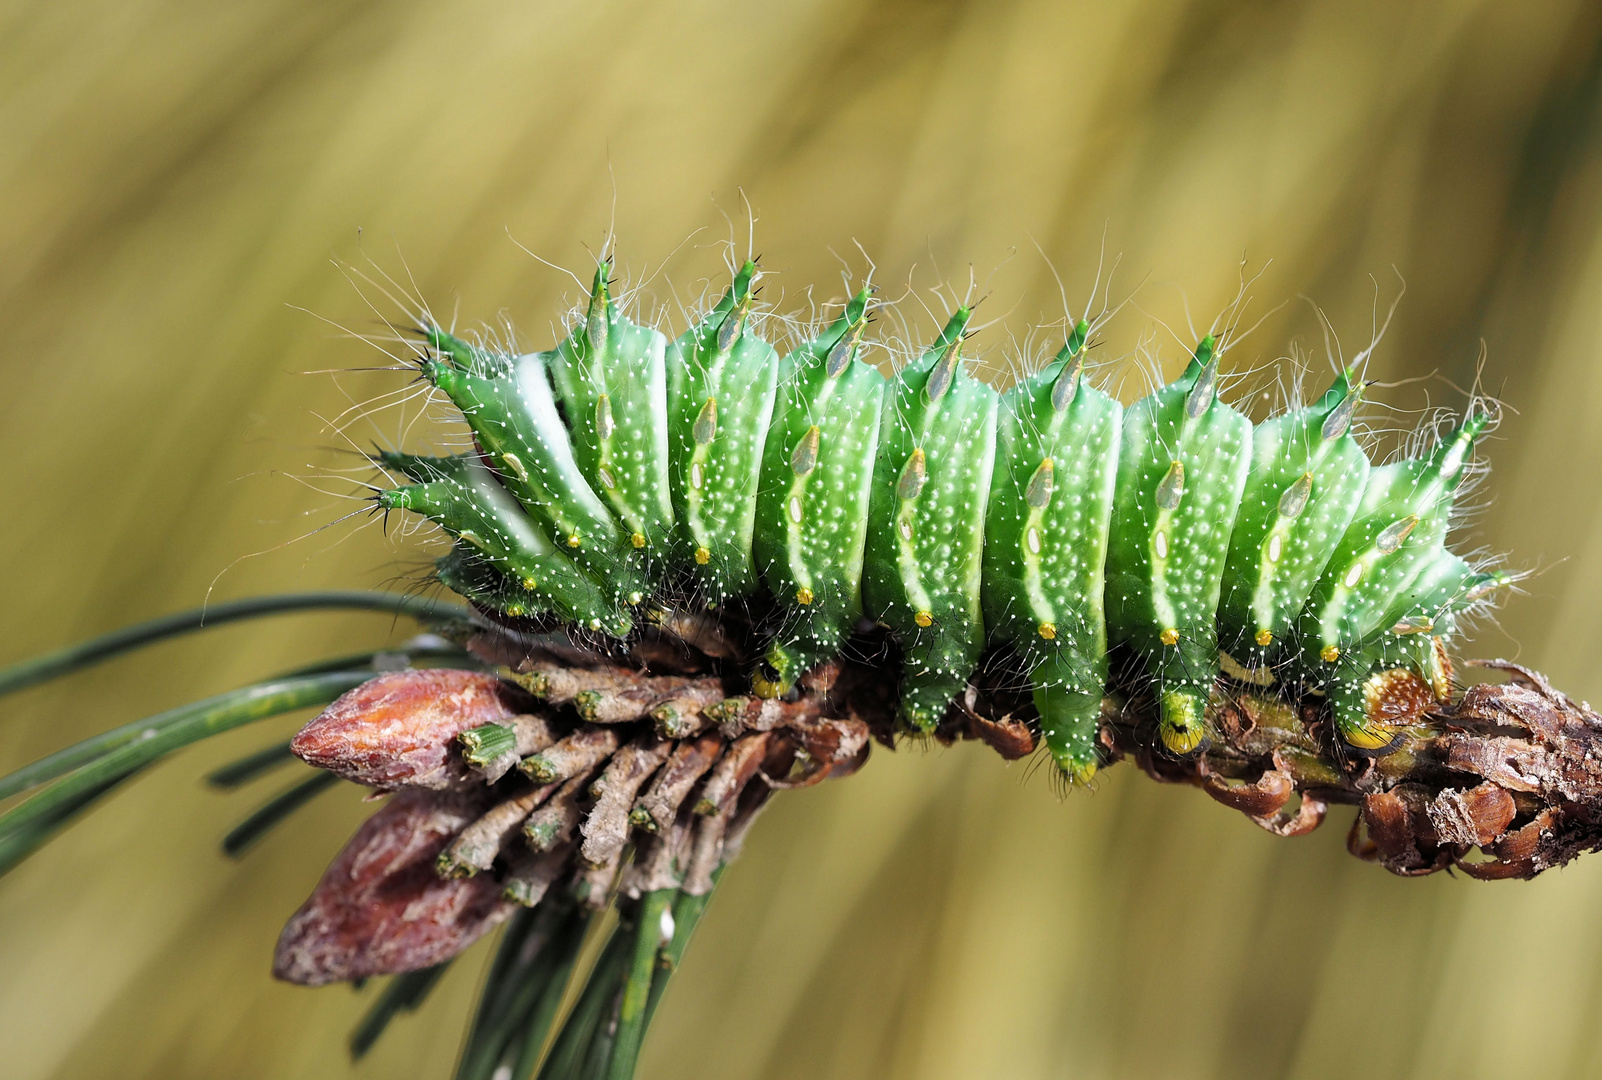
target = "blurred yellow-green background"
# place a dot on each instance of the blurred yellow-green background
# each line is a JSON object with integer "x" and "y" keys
{"x": 177, "y": 180}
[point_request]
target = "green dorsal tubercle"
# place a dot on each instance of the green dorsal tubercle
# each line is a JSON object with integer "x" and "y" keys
{"x": 1399, "y": 526}
{"x": 610, "y": 379}
{"x": 1418, "y": 619}
{"x": 1046, "y": 529}
{"x": 812, "y": 506}
{"x": 466, "y": 500}
{"x": 1181, "y": 471}
{"x": 722, "y": 379}
{"x": 507, "y": 401}
{"x": 1408, "y": 644}
{"x": 926, "y": 523}
{"x": 1307, "y": 475}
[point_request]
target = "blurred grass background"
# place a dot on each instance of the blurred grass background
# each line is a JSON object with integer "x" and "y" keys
{"x": 175, "y": 175}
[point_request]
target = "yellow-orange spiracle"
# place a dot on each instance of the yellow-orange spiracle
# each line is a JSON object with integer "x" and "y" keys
{"x": 1329, "y": 654}
{"x": 1264, "y": 638}
{"x": 1169, "y": 636}
{"x": 638, "y": 540}
{"x": 803, "y": 595}
{"x": 573, "y": 541}
{"x": 1048, "y": 631}
{"x": 923, "y": 618}
{"x": 703, "y": 556}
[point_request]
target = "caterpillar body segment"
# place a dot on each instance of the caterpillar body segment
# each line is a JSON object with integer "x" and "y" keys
{"x": 466, "y": 500}
{"x": 1431, "y": 600}
{"x": 465, "y": 572}
{"x": 1307, "y": 477}
{"x": 722, "y": 379}
{"x": 1398, "y": 530}
{"x": 1181, "y": 472}
{"x": 926, "y": 523}
{"x": 1378, "y": 687}
{"x": 507, "y": 401}
{"x": 812, "y": 507}
{"x": 1046, "y": 545}
{"x": 1390, "y": 587}
{"x": 610, "y": 378}
{"x": 620, "y": 468}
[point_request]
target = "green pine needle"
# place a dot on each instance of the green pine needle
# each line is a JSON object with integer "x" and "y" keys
{"x": 18, "y": 844}
{"x": 244, "y": 770}
{"x": 525, "y": 987}
{"x": 641, "y": 975}
{"x": 582, "y": 1035}
{"x": 244, "y": 836}
{"x": 108, "y": 758}
{"x": 687, "y": 912}
{"x": 404, "y": 993}
{"x": 74, "y": 657}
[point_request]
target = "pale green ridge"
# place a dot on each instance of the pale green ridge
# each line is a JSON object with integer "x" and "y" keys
{"x": 1045, "y": 555}
{"x": 722, "y": 380}
{"x": 1400, "y": 523}
{"x": 812, "y": 506}
{"x": 508, "y": 403}
{"x": 467, "y": 501}
{"x": 1306, "y": 479}
{"x": 1181, "y": 471}
{"x": 923, "y": 566}
{"x": 610, "y": 379}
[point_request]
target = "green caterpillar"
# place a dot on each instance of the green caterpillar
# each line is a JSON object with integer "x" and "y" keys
{"x": 621, "y": 473}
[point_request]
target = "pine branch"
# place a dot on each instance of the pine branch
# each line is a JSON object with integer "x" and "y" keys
{"x": 1504, "y": 781}
{"x": 641, "y": 779}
